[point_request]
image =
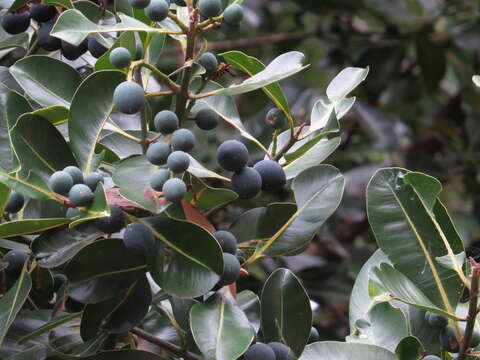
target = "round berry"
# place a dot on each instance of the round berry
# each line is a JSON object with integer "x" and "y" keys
{"x": 183, "y": 139}
{"x": 42, "y": 13}
{"x": 247, "y": 183}
{"x": 157, "y": 153}
{"x": 80, "y": 195}
{"x": 436, "y": 320}
{"x": 166, "y": 122}
{"x": 129, "y": 97}
{"x": 282, "y": 351}
{"x": 231, "y": 270}
{"x": 16, "y": 23}
{"x": 73, "y": 52}
{"x": 233, "y": 14}
{"x": 157, "y": 10}
{"x": 15, "y": 203}
{"x": 259, "y": 351}
{"x": 159, "y": 178}
{"x": 138, "y": 238}
{"x": 209, "y": 62}
{"x": 210, "y": 8}
{"x": 232, "y": 155}
{"x": 174, "y": 190}
{"x": 113, "y": 223}
{"x": 16, "y": 259}
{"x": 139, "y": 4}
{"x": 207, "y": 119}
{"x": 272, "y": 174}
{"x": 276, "y": 118}
{"x": 75, "y": 173}
{"x": 60, "y": 182}
{"x": 449, "y": 340}
{"x": 178, "y": 162}
{"x": 92, "y": 180}
{"x": 45, "y": 40}
{"x": 227, "y": 241}
{"x": 96, "y": 49}
{"x": 120, "y": 57}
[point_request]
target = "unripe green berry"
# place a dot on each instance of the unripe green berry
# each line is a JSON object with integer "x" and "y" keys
{"x": 174, "y": 190}
{"x": 233, "y": 14}
{"x": 157, "y": 153}
{"x": 120, "y": 57}
{"x": 80, "y": 195}
{"x": 159, "y": 178}
{"x": 166, "y": 122}
{"x": 178, "y": 162}
{"x": 60, "y": 182}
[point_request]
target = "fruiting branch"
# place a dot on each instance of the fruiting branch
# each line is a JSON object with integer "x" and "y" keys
{"x": 172, "y": 85}
{"x": 165, "y": 344}
{"x": 177, "y": 21}
{"x": 472, "y": 312}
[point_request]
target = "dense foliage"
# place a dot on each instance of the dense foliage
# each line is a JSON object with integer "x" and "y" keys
{"x": 145, "y": 209}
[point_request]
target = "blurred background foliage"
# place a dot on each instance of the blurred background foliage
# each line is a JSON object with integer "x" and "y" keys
{"x": 418, "y": 109}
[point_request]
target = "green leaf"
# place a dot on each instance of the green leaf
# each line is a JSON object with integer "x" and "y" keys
{"x": 283, "y": 66}
{"x": 36, "y": 154}
{"x": 66, "y": 4}
{"x": 34, "y": 74}
{"x": 99, "y": 208}
{"x": 253, "y": 66}
{"x": 32, "y": 186}
{"x": 187, "y": 260}
{"x": 312, "y": 157}
{"x": 329, "y": 350}
{"x": 226, "y": 108}
{"x": 360, "y": 301}
{"x": 286, "y": 311}
{"x": 15, "y": 41}
{"x": 318, "y": 192}
{"x": 409, "y": 348}
{"x": 50, "y": 326}
{"x": 389, "y": 325}
{"x": 12, "y": 302}
{"x": 345, "y": 82}
{"x": 90, "y": 110}
{"x": 220, "y": 328}
{"x": 406, "y": 232}
{"x": 446, "y": 260}
{"x": 154, "y": 48}
{"x": 30, "y": 226}
{"x": 207, "y": 197}
{"x": 56, "y": 115}
{"x": 74, "y": 27}
{"x": 125, "y": 355}
{"x": 13, "y": 245}
{"x": 249, "y": 302}
{"x": 4, "y": 194}
{"x": 102, "y": 270}
{"x": 12, "y": 106}
{"x": 56, "y": 247}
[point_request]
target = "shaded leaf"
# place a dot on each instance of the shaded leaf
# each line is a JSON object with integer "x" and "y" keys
{"x": 30, "y": 226}
{"x": 345, "y": 351}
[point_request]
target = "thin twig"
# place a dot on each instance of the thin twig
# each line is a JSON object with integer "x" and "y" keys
{"x": 165, "y": 344}
{"x": 472, "y": 312}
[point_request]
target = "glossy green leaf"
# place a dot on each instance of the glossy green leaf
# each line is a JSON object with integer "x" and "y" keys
{"x": 406, "y": 232}
{"x": 249, "y": 302}
{"x": 32, "y": 186}
{"x": 226, "y": 108}
{"x": 30, "y": 226}
{"x": 207, "y": 197}
{"x": 12, "y": 106}
{"x": 36, "y": 154}
{"x": 73, "y": 27}
{"x": 329, "y": 350}
{"x": 55, "y": 114}
{"x": 12, "y": 302}
{"x": 66, "y": 4}
{"x": 388, "y": 325}
{"x": 50, "y": 326}
{"x": 34, "y": 74}
{"x": 253, "y": 66}
{"x": 93, "y": 12}
{"x": 220, "y": 328}
{"x": 90, "y": 110}
{"x": 286, "y": 311}
{"x": 15, "y": 41}
{"x": 187, "y": 260}
{"x": 409, "y": 348}
{"x": 154, "y": 48}
{"x": 102, "y": 270}
{"x": 283, "y": 66}
{"x": 345, "y": 82}
{"x": 56, "y": 247}
{"x": 318, "y": 192}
